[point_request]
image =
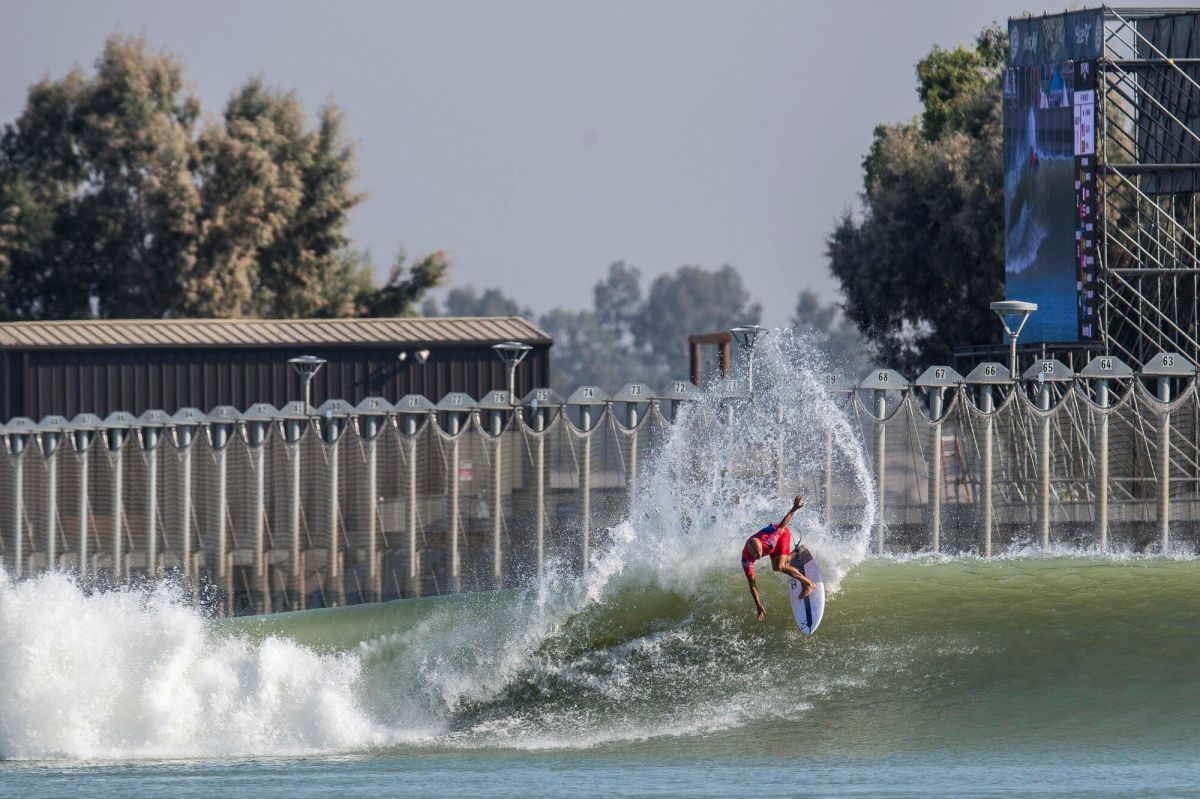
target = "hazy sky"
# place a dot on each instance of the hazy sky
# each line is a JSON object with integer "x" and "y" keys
{"x": 539, "y": 142}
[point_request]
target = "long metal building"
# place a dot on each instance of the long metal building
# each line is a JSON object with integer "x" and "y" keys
{"x": 102, "y": 366}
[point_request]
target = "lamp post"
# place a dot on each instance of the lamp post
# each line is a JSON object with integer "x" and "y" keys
{"x": 747, "y": 337}
{"x": 1013, "y": 308}
{"x": 512, "y": 353}
{"x": 307, "y": 367}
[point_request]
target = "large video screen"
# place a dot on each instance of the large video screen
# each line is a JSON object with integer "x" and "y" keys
{"x": 1049, "y": 175}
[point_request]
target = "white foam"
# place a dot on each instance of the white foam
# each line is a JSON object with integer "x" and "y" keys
{"x": 130, "y": 674}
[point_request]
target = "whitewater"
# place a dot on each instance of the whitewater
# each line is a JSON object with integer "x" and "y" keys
{"x": 647, "y": 674}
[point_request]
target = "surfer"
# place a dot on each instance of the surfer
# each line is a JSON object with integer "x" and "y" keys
{"x": 774, "y": 541}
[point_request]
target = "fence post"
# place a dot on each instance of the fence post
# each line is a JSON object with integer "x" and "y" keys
{"x": 51, "y": 438}
{"x": 414, "y": 586}
{"x": 880, "y": 463}
{"x": 1104, "y": 368}
{"x": 986, "y": 376}
{"x": 586, "y": 397}
{"x": 1044, "y": 476}
{"x": 585, "y": 481}
{"x": 631, "y": 420}
{"x": 632, "y": 395}
{"x": 152, "y": 424}
{"x": 185, "y": 501}
{"x": 1164, "y": 475}
{"x": 82, "y": 426}
{"x": 334, "y": 412}
{"x": 455, "y": 563}
{"x": 1044, "y": 372}
{"x": 150, "y": 443}
{"x": 224, "y": 577}
{"x": 987, "y": 407}
{"x": 409, "y": 407}
{"x": 295, "y": 417}
{"x": 497, "y": 403}
{"x": 258, "y": 417}
{"x": 16, "y": 448}
{"x": 116, "y": 426}
{"x": 221, "y": 422}
{"x": 935, "y": 469}
{"x": 297, "y": 566}
{"x": 185, "y": 421}
{"x": 1102, "y": 464}
{"x": 372, "y": 416}
{"x": 539, "y": 427}
{"x": 371, "y": 423}
{"x": 497, "y": 505}
{"x": 455, "y": 405}
{"x": 881, "y": 381}
{"x": 334, "y": 484}
{"x": 1165, "y": 366}
{"x": 936, "y": 379}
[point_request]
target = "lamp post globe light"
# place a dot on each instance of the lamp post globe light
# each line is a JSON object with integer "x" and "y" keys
{"x": 307, "y": 367}
{"x": 747, "y": 337}
{"x": 1013, "y": 308}
{"x": 512, "y": 353}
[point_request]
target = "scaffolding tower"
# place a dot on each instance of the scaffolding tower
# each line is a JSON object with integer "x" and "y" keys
{"x": 1148, "y": 182}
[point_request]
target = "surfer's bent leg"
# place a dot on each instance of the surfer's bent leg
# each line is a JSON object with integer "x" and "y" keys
{"x": 779, "y": 563}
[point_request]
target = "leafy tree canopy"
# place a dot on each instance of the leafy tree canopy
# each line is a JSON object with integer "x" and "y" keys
{"x": 117, "y": 201}
{"x": 628, "y": 335}
{"x": 924, "y": 257}
{"x": 631, "y": 335}
{"x": 466, "y": 301}
{"x": 831, "y": 332}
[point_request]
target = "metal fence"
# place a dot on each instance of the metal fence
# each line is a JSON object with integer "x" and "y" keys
{"x": 1094, "y": 460}
{"x": 279, "y": 509}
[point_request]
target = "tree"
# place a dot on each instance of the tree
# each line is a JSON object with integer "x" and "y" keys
{"x": 586, "y": 353}
{"x": 628, "y": 337}
{"x": 925, "y": 256}
{"x": 691, "y": 300}
{"x": 105, "y": 165}
{"x": 617, "y": 300}
{"x": 303, "y": 265}
{"x": 466, "y": 301}
{"x": 405, "y": 287}
{"x": 830, "y": 331}
{"x": 113, "y": 205}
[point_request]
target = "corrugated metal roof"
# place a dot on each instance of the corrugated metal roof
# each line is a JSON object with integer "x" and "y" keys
{"x": 116, "y": 333}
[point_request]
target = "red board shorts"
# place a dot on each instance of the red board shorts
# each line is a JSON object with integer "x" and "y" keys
{"x": 775, "y": 541}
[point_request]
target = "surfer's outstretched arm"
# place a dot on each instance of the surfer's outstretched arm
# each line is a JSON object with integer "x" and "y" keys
{"x": 758, "y": 605}
{"x": 797, "y": 504}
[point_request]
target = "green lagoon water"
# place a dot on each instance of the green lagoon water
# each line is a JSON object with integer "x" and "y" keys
{"x": 1028, "y": 676}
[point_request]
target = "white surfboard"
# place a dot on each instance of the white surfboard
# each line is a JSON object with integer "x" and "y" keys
{"x": 808, "y": 611}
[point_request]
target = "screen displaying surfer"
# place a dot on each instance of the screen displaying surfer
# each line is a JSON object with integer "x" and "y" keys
{"x": 773, "y": 541}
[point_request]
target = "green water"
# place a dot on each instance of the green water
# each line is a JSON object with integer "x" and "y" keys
{"x": 1054, "y": 677}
